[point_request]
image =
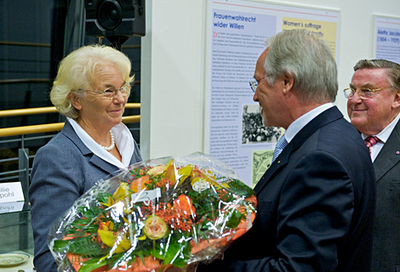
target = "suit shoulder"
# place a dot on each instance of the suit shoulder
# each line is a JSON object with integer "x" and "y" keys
{"x": 58, "y": 148}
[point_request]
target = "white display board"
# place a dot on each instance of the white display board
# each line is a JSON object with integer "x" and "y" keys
{"x": 236, "y": 32}
{"x": 11, "y": 197}
{"x": 387, "y": 38}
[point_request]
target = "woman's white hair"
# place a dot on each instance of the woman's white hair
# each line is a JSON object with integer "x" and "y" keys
{"x": 77, "y": 72}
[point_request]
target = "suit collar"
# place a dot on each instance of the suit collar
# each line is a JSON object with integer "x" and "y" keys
{"x": 303, "y": 120}
{"x": 69, "y": 132}
{"x": 389, "y": 155}
{"x": 326, "y": 117}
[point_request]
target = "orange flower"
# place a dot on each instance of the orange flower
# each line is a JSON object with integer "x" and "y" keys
{"x": 184, "y": 206}
{"x": 165, "y": 183}
{"x": 140, "y": 184}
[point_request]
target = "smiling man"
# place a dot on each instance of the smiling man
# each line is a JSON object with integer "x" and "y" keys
{"x": 373, "y": 106}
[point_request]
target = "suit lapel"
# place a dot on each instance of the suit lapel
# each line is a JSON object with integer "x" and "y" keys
{"x": 389, "y": 155}
{"x": 328, "y": 116}
{"x": 273, "y": 169}
{"x": 105, "y": 166}
{"x": 69, "y": 132}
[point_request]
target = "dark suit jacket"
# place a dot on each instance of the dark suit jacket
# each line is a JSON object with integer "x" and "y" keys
{"x": 62, "y": 171}
{"x": 386, "y": 242}
{"x": 315, "y": 205}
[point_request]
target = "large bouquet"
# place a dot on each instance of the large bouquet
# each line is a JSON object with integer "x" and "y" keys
{"x": 154, "y": 215}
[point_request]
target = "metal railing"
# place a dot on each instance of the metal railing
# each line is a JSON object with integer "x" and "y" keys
{"x": 23, "y": 158}
{"x": 33, "y": 129}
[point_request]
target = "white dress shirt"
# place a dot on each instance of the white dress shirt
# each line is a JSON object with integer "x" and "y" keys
{"x": 303, "y": 120}
{"x": 383, "y": 136}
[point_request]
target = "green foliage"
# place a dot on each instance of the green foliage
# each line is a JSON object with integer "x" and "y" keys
{"x": 239, "y": 188}
{"x": 176, "y": 252}
{"x": 205, "y": 202}
{"x": 92, "y": 264}
{"x": 60, "y": 245}
{"x": 88, "y": 215}
{"x": 85, "y": 247}
{"x": 234, "y": 219}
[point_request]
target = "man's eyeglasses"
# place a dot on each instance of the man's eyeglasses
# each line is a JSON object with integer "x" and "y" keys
{"x": 110, "y": 93}
{"x": 254, "y": 84}
{"x": 364, "y": 93}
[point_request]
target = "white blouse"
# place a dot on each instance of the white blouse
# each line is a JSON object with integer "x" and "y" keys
{"x": 123, "y": 140}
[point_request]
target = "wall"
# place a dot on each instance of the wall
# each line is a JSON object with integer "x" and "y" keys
{"x": 173, "y": 66}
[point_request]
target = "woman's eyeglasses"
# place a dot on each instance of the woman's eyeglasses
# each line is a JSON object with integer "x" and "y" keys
{"x": 110, "y": 93}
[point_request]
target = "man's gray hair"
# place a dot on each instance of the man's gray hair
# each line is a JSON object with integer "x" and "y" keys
{"x": 306, "y": 57}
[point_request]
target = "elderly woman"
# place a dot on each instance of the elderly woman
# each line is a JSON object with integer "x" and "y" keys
{"x": 91, "y": 90}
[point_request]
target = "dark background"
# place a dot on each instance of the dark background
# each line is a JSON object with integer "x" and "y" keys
{"x": 34, "y": 36}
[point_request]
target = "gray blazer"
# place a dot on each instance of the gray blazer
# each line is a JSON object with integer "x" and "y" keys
{"x": 62, "y": 171}
{"x": 386, "y": 240}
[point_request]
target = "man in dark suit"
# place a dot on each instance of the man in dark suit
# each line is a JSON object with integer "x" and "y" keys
{"x": 373, "y": 106}
{"x": 316, "y": 202}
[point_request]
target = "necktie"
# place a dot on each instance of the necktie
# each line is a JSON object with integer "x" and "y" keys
{"x": 370, "y": 141}
{"x": 280, "y": 145}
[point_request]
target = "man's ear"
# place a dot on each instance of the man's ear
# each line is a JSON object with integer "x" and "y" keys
{"x": 75, "y": 100}
{"x": 288, "y": 82}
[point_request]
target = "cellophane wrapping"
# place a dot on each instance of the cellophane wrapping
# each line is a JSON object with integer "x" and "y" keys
{"x": 153, "y": 215}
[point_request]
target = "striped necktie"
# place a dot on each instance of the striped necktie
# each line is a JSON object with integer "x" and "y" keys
{"x": 370, "y": 141}
{"x": 280, "y": 145}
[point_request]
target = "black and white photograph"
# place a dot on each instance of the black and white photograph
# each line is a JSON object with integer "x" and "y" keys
{"x": 253, "y": 129}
